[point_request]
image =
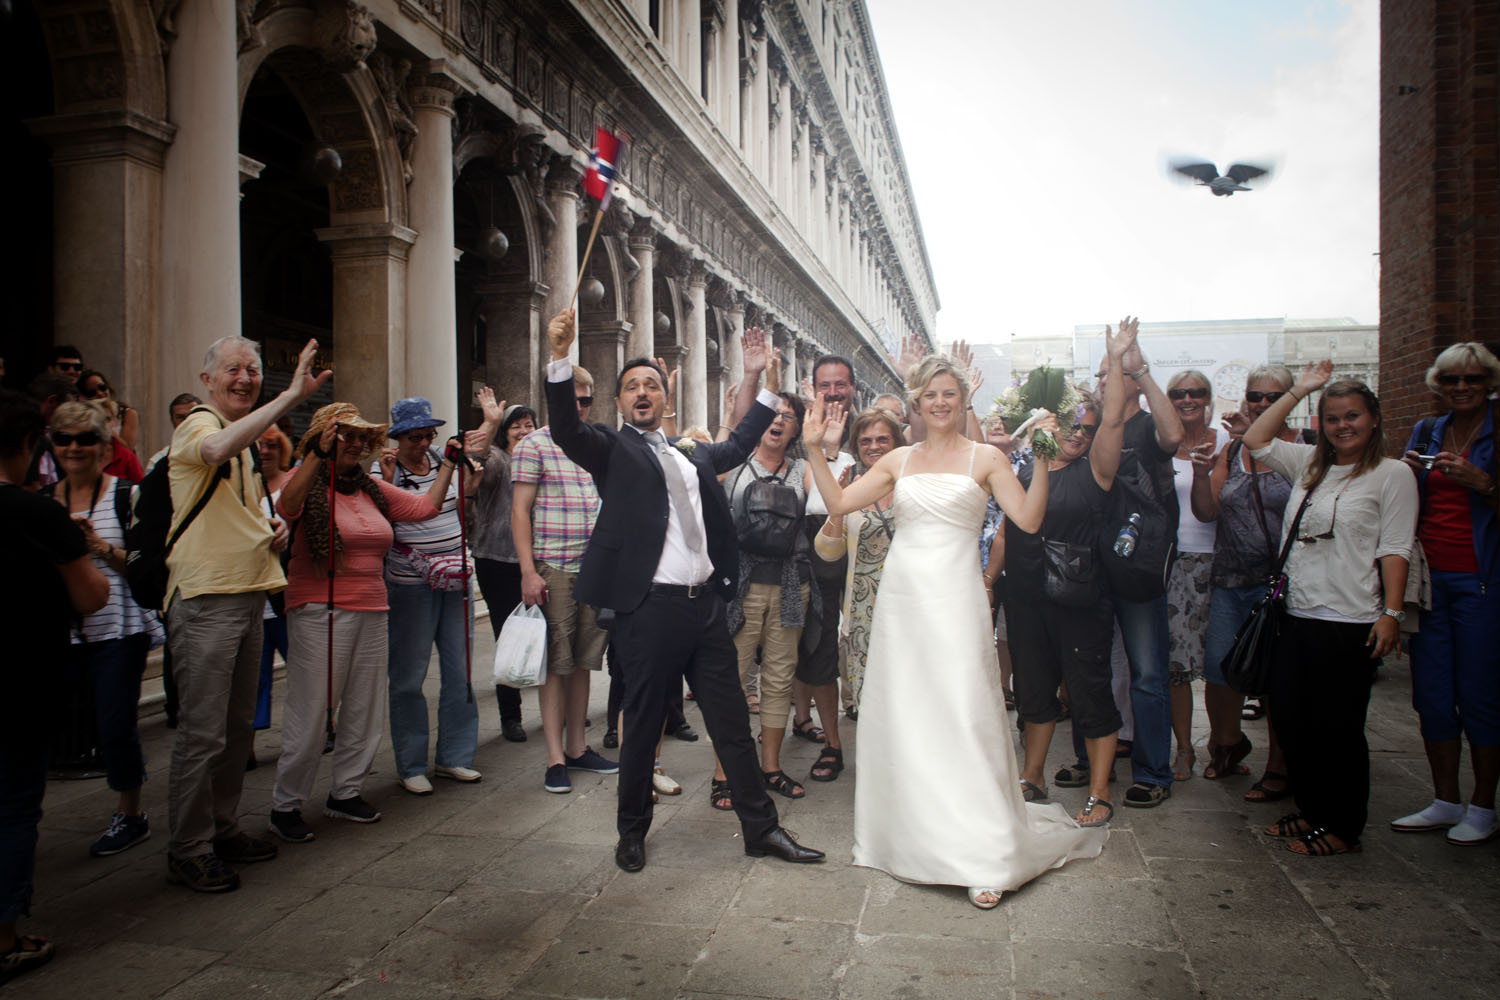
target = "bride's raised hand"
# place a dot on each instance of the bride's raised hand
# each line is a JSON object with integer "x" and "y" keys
{"x": 1046, "y": 421}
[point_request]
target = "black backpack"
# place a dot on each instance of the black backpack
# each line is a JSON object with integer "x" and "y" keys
{"x": 769, "y": 516}
{"x": 1142, "y": 576}
{"x": 146, "y": 539}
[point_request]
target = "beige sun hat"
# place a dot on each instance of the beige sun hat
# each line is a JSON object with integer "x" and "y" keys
{"x": 343, "y": 414}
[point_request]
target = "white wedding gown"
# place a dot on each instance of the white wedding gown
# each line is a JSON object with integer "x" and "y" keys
{"x": 937, "y": 792}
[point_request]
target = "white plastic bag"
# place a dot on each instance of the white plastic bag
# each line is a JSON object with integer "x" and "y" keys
{"x": 521, "y": 648}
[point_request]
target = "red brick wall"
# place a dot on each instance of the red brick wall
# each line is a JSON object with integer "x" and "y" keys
{"x": 1439, "y": 191}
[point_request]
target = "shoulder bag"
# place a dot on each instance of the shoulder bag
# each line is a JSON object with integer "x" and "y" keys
{"x": 1247, "y": 665}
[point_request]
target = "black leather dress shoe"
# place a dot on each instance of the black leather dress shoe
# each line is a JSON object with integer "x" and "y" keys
{"x": 630, "y": 855}
{"x": 513, "y": 731}
{"x": 611, "y": 739}
{"x": 684, "y": 732}
{"x": 780, "y": 844}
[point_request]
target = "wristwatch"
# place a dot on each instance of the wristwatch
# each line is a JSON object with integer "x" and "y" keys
{"x": 1400, "y": 616}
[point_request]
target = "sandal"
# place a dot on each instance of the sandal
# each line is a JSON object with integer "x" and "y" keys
{"x": 30, "y": 952}
{"x": 1225, "y": 761}
{"x": 1072, "y": 776}
{"x": 1290, "y": 825}
{"x": 1316, "y": 844}
{"x": 1144, "y": 795}
{"x": 1184, "y": 773}
{"x": 719, "y": 795}
{"x": 1124, "y": 748}
{"x": 985, "y": 899}
{"x": 1261, "y": 791}
{"x": 1032, "y": 793}
{"x": 778, "y": 782}
{"x": 1089, "y": 819}
{"x": 807, "y": 730}
{"x": 1253, "y": 710}
{"x": 828, "y": 765}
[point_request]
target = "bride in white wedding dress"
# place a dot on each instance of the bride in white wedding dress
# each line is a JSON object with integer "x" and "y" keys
{"x": 932, "y": 705}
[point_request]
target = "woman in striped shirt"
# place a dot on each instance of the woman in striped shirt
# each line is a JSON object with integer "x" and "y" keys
{"x": 110, "y": 645}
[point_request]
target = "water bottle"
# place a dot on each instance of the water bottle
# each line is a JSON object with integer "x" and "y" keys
{"x": 1128, "y": 536}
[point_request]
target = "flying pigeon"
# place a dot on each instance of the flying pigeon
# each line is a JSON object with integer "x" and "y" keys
{"x": 1207, "y": 175}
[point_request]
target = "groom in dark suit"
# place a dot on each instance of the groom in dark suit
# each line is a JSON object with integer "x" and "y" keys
{"x": 663, "y": 557}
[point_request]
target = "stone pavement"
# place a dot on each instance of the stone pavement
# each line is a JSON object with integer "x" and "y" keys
{"x": 503, "y": 890}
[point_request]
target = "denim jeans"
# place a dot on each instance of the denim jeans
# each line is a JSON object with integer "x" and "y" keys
{"x": 418, "y": 618}
{"x": 1455, "y": 661}
{"x": 1227, "y": 608}
{"x": 273, "y": 643}
{"x": 1143, "y": 624}
{"x": 114, "y": 668}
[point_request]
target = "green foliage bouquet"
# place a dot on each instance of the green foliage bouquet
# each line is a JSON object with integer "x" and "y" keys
{"x": 1043, "y": 389}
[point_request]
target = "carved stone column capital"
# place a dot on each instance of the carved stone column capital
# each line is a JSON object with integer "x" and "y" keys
{"x": 563, "y": 175}
{"x": 644, "y": 232}
{"x": 430, "y": 88}
{"x": 93, "y": 135}
{"x": 697, "y": 273}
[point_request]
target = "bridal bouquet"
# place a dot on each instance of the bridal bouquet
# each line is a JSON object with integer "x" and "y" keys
{"x": 1044, "y": 389}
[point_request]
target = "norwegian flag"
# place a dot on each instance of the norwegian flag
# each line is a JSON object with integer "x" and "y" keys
{"x": 604, "y": 160}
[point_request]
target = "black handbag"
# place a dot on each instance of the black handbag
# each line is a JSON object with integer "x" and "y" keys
{"x": 1247, "y": 665}
{"x": 1069, "y": 577}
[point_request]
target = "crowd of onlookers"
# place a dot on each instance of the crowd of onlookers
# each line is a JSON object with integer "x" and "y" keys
{"x": 351, "y": 552}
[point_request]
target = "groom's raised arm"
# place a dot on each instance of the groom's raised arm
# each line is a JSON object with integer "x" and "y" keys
{"x": 585, "y": 445}
{"x": 733, "y": 451}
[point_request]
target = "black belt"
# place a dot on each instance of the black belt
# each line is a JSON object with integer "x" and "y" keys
{"x": 690, "y": 591}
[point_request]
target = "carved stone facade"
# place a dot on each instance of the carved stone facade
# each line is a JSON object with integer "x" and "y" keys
{"x": 433, "y": 150}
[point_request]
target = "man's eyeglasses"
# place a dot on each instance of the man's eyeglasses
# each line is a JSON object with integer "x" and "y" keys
{"x": 1176, "y": 394}
{"x": 585, "y": 400}
{"x": 786, "y": 415}
{"x": 415, "y": 436}
{"x": 1463, "y": 378}
{"x": 1252, "y": 396}
{"x": 86, "y": 439}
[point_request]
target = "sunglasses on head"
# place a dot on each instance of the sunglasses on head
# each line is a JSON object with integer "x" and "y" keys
{"x": 1463, "y": 378}
{"x": 86, "y": 439}
{"x": 1255, "y": 397}
{"x": 585, "y": 400}
{"x": 1176, "y": 394}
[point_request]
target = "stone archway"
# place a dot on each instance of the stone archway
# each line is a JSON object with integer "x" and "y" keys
{"x": 353, "y": 101}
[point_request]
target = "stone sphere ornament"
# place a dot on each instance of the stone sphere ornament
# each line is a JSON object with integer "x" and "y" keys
{"x": 663, "y": 324}
{"x": 591, "y": 292}
{"x": 711, "y": 349}
{"x": 493, "y": 243}
{"x": 321, "y": 163}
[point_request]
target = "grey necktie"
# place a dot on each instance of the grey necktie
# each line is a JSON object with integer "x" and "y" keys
{"x": 677, "y": 487}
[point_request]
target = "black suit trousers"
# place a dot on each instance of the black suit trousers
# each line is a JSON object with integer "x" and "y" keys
{"x": 662, "y": 641}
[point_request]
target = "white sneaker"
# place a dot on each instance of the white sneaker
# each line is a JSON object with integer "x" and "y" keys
{"x": 467, "y": 775}
{"x": 417, "y": 784}
{"x": 663, "y": 782}
{"x": 1465, "y": 835}
{"x": 1431, "y": 818}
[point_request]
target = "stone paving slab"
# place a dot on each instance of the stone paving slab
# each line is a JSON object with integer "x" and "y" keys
{"x": 499, "y": 889}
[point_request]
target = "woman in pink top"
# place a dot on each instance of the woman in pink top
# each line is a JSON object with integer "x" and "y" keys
{"x": 358, "y": 530}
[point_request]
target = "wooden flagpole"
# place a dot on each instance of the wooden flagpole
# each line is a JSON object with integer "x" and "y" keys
{"x": 588, "y": 249}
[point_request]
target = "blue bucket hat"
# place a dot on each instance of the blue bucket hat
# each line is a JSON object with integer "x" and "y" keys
{"x": 412, "y": 414}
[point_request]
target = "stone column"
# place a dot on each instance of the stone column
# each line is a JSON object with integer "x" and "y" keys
{"x": 784, "y": 130}
{"x": 695, "y": 372}
{"x": 787, "y": 341}
{"x": 819, "y": 196}
{"x": 802, "y": 174}
{"x": 200, "y": 207}
{"x": 642, "y": 303}
{"x": 690, "y": 45}
{"x": 106, "y": 178}
{"x": 370, "y": 315}
{"x": 729, "y": 72}
{"x": 761, "y": 125}
{"x": 560, "y": 256}
{"x": 734, "y": 351}
{"x": 431, "y": 343}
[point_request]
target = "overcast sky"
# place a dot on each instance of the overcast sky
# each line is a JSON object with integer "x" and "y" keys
{"x": 1035, "y": 133}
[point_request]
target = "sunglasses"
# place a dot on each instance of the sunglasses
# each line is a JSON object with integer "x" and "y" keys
{"x": 70, "y": 366}
{"x": 1463, "y": 379}
{"x": 1255, "y": 397}
{"x": 1176, "y": 394}
{"x": 415, "y": 436}
{"x": 86, "y": 439}
{"x": 1326, "y": 536}
{"x": 1089, "y": 430}
{"x": 359, "y": 439}
{"x": 585, "y": 400}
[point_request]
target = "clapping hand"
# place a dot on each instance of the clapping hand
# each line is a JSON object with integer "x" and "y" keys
{"x": 823, "y": 418}
{"x": 912, "y": 352}
{"x": 961, "y": 354}
{"x": 493, "y": 410}
{"x": 756, "y": 352}
{"x": 1313, "y": 377}
{"x": 773, "y": 371}
{"x": 1117, "y": 344}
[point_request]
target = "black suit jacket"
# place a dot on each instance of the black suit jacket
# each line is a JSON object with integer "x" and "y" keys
{"x": 631, "y": 531}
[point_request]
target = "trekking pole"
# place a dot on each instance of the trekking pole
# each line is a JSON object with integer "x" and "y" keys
{"x": 463, "y": 550}
{"x": 333, "y": 455}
